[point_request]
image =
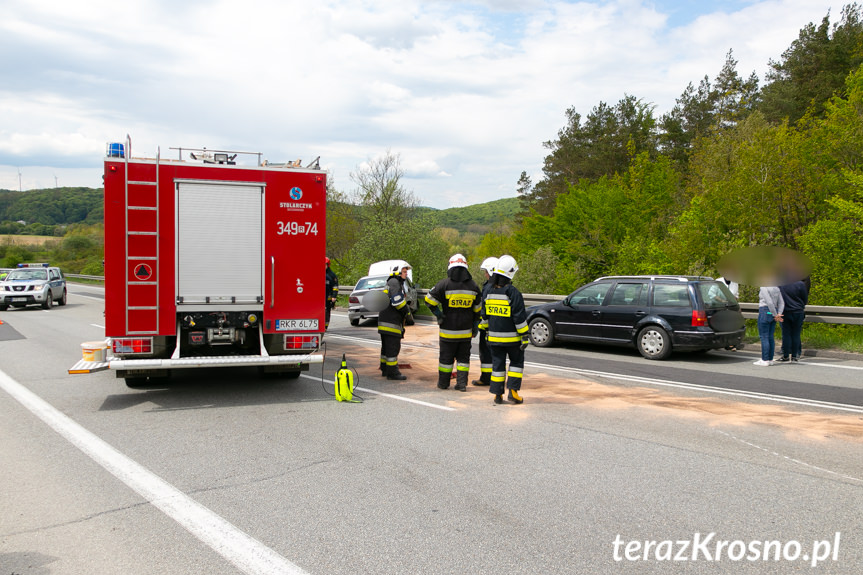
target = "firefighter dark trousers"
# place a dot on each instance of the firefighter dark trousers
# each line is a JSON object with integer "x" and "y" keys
{"x": 500, "y": 375}
{"x": 391, "y": 345}
{"x": 457, "y": 350}
{"x": 484, "y": 358}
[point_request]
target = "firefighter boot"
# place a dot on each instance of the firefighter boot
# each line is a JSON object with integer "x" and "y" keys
{"x": 383, "y": 369}
{"x": 443, "y": 378}
{"x": 515, "y": 397}
{"x": 484, "y": 379}
{"x": 394, "y": 373}
{"x": 461, "y": 381}
{"x": 498, "y": 399}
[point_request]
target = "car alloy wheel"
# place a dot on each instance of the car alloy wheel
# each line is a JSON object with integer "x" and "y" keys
{"x": 541, "y": 333}
{"x": 654, "y": 343}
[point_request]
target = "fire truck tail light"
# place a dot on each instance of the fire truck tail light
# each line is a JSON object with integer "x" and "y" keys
{"x": 128, "y": 345}
{"x": 301, "y": 341}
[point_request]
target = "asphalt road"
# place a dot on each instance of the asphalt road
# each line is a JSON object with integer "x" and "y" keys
{"x": 613, "y": 463}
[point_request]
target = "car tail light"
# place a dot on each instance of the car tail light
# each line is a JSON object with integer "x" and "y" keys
{"x": 127, "y": 345}
{"x": 301, "y": 341}
{"x": 354, "y": 299}
{"x": 699, "y": 318}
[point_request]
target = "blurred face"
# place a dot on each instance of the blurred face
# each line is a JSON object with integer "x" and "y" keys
{"x": 404, "y": 273}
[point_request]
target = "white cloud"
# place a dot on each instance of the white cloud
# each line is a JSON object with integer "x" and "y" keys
{"x": 465, "y": 92}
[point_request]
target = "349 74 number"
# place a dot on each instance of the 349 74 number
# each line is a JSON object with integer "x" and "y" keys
{"x": 297, "y": 228}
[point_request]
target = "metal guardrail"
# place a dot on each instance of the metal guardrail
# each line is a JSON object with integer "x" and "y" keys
{"x": 814, "y": 313}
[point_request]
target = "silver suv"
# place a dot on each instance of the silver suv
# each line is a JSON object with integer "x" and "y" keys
{"x": 33, "y": 284}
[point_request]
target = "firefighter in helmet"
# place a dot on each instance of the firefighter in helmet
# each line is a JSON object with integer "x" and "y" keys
{"x": 505, "y": 319}
{"x": 332, "y": 292}
{"x": 487, "y": 268}
{"x": 391, "y": 322}
{"x": 456, "y": 302}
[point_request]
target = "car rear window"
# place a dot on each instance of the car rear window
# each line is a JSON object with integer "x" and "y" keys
{"x": 671, "y": 295}
{"x": 715, "y": 295}
{"x": 371, "y": 283}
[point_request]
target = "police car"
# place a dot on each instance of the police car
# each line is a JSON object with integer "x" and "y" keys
{"x": 33, "y": 284}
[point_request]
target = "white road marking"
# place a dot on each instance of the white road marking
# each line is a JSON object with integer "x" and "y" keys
{"x": 791, "y": 459}
{"x": 245, "y": 552}
{"x": 389, "y": 395}
{"x": 78, "y": 294}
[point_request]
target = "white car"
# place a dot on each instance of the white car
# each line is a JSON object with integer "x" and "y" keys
{"x": 33, "y": 284}
{"x": 379, "y": 272}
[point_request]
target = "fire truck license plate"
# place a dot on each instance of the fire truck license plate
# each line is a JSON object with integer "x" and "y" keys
{"x": 296, "y": 324}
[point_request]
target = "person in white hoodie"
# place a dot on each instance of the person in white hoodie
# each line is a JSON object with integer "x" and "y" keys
{"x": 770, "y": 308}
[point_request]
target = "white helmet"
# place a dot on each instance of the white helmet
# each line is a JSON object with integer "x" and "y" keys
{"x": 457, "y": 261}
{"x": 506, "y": 266}
{"x": 488, "y": 265}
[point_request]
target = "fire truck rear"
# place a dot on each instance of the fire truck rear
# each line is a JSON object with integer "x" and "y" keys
{"x": 210, "y": 263}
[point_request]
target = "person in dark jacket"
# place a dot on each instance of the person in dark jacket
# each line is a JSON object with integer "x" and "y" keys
{"x": 487, "y": 268}
{"x": 796, "y": 296}
{"x": 331, "y": 292}
{"x": 391, "y": 323}
{"x": 455, "y": 301}
{"x": 505, "y": 318}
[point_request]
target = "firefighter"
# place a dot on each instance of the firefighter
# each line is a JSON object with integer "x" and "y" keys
{"x": 391, "y": 322}
{"x": 505, "y": 319}
{"x": 487, "y": 268}
{"x": 456, "y": 303}
{"x": 332, "y": 292}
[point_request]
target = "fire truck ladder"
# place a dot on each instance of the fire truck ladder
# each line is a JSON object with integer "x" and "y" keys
{"x": 152, "y": 310}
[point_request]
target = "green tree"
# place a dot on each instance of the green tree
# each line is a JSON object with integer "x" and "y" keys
{"x": 833, "y": 244}
{"x": 602, "y": 145}
{"x": 380, "y": 191}
{"x": 343, "y": 228}
{"x": 735, "y": 98}
{"x": 691, "y": 118}
{"x": 814, "y": 67}
{"x": 413, "y": 240}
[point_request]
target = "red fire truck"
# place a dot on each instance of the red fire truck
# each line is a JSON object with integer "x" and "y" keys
{"x": 210, "y": 263}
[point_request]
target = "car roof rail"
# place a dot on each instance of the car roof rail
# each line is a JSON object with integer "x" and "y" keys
{"x": 657, "y": 277}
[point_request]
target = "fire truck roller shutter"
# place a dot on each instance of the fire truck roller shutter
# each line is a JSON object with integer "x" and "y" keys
{"x": 219, "y": 243}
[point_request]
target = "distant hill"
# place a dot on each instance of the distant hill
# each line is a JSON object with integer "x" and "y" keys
{"x": 54, "y": 206}
{"x": 480, "y": 217}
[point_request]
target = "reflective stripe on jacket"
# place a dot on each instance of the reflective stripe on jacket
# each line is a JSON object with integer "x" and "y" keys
{"x": 504, "y": 315}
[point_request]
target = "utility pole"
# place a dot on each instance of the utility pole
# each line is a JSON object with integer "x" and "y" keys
{"x": 19, "y": 179}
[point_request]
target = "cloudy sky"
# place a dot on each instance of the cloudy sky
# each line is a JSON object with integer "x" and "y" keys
{"x": 464, "y": 92}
